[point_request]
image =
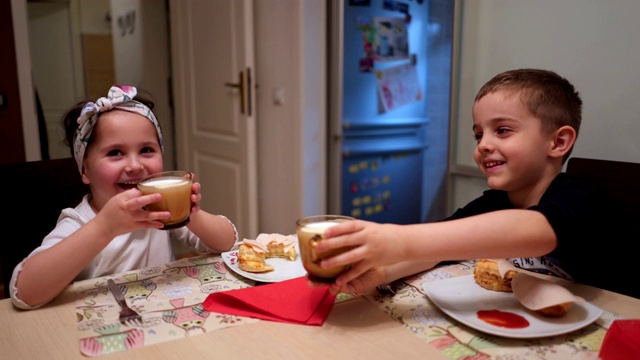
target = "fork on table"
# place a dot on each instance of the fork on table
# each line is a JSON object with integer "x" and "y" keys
{"x": 128, "y": 316}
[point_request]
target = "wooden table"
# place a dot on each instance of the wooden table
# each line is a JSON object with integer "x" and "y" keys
{"x": 355, "y": 329}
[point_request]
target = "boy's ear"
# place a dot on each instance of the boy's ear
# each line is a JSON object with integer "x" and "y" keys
{"x": 563, "y": 140}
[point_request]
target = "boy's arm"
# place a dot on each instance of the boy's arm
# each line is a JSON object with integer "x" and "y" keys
{"x": 497, "y": 234}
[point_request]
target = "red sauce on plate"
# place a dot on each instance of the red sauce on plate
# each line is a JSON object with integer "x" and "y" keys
{"x": 503, "y": 319}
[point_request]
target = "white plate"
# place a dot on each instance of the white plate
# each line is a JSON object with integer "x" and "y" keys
{"x": 284, "y": 269}
{"x": 461, "y": 298}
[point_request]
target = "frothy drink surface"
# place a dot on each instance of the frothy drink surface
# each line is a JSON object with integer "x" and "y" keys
{"x": 176, "y": 197}
{"x": 163, "y": 183}
{"x": 319, "y": 227}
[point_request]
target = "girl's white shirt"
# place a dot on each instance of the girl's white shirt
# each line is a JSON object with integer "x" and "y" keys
{"x": 131, "y": 251}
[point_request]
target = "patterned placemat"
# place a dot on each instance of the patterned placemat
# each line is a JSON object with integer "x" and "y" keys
{"x": 168, "y": 297}
{"x": 411, "y": 307}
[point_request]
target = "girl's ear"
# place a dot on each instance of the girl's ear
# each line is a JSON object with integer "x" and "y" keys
{"x": 563, "y": 140}
{"x": 85, "y": 179}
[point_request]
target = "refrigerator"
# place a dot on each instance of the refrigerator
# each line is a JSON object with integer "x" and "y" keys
{"x": 388, "y": 113}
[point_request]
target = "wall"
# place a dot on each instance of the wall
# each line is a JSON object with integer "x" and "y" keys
{"x": 51, "y": 45}
{"x": 590, "y": 42}
{"x": 56, "y": 64}
{"x": 19, "y": 140}
{"x": 11, "y": 136}
{"x": 142, "y": 58}
{"x": 290, "y": 48}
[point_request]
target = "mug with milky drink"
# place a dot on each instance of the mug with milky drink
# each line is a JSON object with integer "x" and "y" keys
{"x": 175, "y": 187}
{"x": 310, "y": 230}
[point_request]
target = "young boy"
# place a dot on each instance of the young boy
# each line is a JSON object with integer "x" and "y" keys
{"x": 525, "y": 123}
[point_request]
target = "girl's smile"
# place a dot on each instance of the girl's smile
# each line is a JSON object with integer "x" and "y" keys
{"x": 125, "y": 149}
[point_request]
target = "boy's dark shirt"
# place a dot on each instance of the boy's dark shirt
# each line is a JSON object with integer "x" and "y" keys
{"x": 592, "y": 238}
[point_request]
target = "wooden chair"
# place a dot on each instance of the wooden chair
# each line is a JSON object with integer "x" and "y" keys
{"x": 34, "y": 195}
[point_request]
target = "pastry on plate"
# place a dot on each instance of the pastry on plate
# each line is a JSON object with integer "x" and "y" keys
{"x": 486, "y": 274}
{"x": 557, "y": 310}
{"x": 542, "y": 296}
{"x": 533, "y": 292}
{"x": 253, "y": 254}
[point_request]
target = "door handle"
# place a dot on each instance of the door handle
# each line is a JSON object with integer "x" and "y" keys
{"x": 244, "y": 86}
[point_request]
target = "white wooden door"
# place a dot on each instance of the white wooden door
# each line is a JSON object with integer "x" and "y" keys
{"x": 212, "y": 65}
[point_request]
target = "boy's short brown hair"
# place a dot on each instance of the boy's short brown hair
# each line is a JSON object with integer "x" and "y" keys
{"x": 546, "y": 95}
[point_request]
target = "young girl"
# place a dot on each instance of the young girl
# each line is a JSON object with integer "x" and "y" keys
{"x": 116, "y": 141}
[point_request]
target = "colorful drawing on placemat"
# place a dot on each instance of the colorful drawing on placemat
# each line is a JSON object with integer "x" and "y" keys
{"x": 169, "y": 298}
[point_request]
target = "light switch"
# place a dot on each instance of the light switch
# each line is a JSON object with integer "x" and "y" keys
{"x": 278, "y": 96}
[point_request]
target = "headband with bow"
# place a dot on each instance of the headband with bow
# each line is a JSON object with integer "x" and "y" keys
{"x": 120, "y": 97}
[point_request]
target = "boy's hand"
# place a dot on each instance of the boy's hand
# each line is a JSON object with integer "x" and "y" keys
{"x": 372, "y": 246}
{"x": 362, "y": 284}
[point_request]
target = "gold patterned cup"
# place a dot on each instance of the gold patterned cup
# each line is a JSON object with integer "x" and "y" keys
{"x": 310, "y": 230}
{"x": 175, "y": 187}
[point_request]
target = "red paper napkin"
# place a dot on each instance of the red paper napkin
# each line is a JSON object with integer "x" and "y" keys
{"x": 622, "y": 341}
{"x": 290, "y": 301}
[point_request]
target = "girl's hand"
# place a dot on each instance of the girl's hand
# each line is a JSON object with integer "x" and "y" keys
{"x": 125, "y": 213}
{"x": 195, "y": 195}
